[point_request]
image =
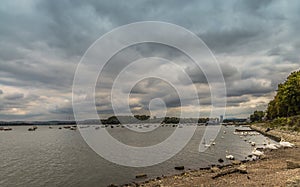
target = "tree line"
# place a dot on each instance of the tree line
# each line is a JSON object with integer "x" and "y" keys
{"x": 286, "y": 102}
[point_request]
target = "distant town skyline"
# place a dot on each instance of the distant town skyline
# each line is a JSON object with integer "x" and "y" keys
{"x": 41, "y": 43}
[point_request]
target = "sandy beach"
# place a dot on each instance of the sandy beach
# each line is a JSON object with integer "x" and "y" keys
{"x": 279, "y": 167}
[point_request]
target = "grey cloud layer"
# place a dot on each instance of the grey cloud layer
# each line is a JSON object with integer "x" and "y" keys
{"x": 256, "y": 43}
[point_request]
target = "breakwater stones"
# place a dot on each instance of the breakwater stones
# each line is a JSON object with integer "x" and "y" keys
{"x": 266, "y": 132}
{"x": 242, "y": 169}
{"x": 142, "y": 175}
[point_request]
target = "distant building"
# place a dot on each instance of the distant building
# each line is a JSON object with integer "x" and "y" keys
{"x": 213, "y": 121}
{"x": 248, "y": 120}
{"x": 221, "y": 118}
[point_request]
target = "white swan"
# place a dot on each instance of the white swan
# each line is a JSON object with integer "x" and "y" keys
{"x": 205, "y": 144}
{"x": 271, "y": 145}
{"x": 257, "y": 152}
{"x": 230, "y": 157}
{"x": 283, "y": 143}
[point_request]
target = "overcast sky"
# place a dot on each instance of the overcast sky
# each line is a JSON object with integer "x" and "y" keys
{"x": 256, "y": 43}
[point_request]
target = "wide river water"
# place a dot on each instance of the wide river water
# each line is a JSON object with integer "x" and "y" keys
{"x": 60, "y": 157}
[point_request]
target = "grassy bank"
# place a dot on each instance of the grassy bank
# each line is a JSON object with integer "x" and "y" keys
{"x": 281, "y": 128}
{"x": 286, "y": 123}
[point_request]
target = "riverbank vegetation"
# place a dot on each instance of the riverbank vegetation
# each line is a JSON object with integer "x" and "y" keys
{"x": 283, "y": 111}
{"x": 286, "y": 103}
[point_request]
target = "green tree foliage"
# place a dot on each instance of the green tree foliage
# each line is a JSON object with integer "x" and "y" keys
{"x": 112, "y": 120}
{"x": 142, "y": 117}
{"x": 203, "y": 120}
{"x": 257, "y": 116}
{"x": 169, "y": 120}
{"x": 287, "y": 100}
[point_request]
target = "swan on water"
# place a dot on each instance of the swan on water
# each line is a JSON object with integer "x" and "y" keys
{"x": 205, "y": 144}
{"x": 230, "y": 157}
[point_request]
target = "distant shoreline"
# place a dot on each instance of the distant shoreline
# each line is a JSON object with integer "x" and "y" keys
{"x": 119, "y": 120}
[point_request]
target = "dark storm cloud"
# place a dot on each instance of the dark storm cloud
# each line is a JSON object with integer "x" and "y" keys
{"x": 73, "y": 25}
{"x": 14, "y": 96}
{"x": 229, "y": 39}
{"x": 251, "y": 89}
{"x": 197, "y": 75}
{"x": 231, "y": 101}
{"x": 17, "y": 101}
{"x": 19, "y": 117}
{"x": 26, "y": 74}
{"x": 62, "y": 110}
{"x": 138, "y": 90}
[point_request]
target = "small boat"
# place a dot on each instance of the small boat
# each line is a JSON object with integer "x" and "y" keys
{"x": 73, "y": 128}
{"x": 7, "y": 129}
{"x": 32, "y": 128}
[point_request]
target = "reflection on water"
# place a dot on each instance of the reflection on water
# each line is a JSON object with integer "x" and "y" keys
{"x": 60, "y": 157}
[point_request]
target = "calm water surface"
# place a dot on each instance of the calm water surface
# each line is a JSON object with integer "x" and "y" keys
{"x": 53, "y": 157}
